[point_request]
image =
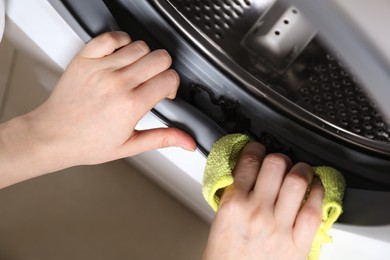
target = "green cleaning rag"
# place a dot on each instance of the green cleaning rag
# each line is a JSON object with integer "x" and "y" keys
{"x": 218, "y": 175}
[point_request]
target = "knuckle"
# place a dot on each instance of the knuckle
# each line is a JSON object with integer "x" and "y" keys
{"x": 278, "y": 159}
{"x": 259, "y": 147}
{"x": 165, "y": 142}
{"x": 119, "y": 79}
{"x": 231, "y": 204}
{"x": 311, "y": 216}
{"x": 142, "y": 46}
{"x": 116, "y": 78}
{"x": 109, "y": 38}
{"x": 298, "y": 181}
{"x": 261, "y": 221}
{"x": 230, "y": 207}
{"x": 250, "y": 158}
{"x": 173, "y": 78}
{"x": 242, "y": 178}
{"x": 114, "y": 39}
{"x": 301, "y": 175}
{"x": 164, "y": 58}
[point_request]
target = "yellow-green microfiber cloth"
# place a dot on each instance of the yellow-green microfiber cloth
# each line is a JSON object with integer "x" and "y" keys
{"x": 218, "y": 175}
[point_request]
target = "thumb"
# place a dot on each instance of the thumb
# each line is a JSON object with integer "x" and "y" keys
{"x": 146, "y": 140}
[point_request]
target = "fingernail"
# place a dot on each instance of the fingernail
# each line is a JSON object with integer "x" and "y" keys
{"x": 189, "y": 147}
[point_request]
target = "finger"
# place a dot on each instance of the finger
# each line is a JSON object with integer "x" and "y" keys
{"x": 291, "y": 194}
{"x": 147, "y": 140}
{"x": 146, "y": 68}
{"x": 105, "y": 44}
{"x": 128, "y": 54}
{"x": 162, "y": 86}
{"x": 248, "y": 166}
{"x": 270, "y": 179}
{"x": 309, "y": 218}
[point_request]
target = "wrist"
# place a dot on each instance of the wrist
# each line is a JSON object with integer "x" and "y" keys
{"x": 24, "y": 152}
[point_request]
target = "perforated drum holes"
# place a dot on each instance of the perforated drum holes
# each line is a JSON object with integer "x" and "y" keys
{"x": 345, "y": 105}
{"x": 317, "y": 80}
{"x": 213, "y": 17}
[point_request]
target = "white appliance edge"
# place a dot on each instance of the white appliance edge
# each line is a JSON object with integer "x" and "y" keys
{"x": 2, "y": 18}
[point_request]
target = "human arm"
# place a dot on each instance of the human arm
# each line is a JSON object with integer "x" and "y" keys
{"x": 91, "y": 115}
{"x": 261, "y": 215}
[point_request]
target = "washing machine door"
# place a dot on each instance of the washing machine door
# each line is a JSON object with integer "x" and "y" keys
{"x": 143, "y": 19}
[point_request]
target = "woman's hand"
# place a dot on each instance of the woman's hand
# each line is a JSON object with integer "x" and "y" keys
{"x": 109, "y": 86}
{"x": 261, "y": 215}
{"x": 91, "y": 115}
